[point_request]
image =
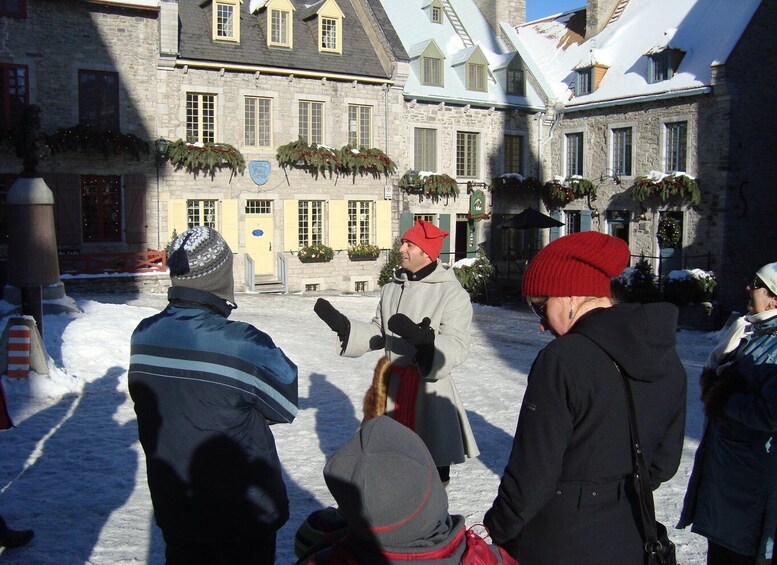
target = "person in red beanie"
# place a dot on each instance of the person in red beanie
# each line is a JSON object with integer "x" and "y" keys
{"x": 567, "y": 494}
{"x": 423, "y": 324}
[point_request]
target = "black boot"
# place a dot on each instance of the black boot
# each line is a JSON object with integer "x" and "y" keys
{"x": 12, "y": 538}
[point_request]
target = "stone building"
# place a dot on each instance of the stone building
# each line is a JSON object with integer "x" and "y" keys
{"x": 673, "y": 91}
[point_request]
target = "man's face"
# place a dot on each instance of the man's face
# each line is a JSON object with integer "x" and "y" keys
{"x": 413, "y": 258}
{"x": 761, "y": 299}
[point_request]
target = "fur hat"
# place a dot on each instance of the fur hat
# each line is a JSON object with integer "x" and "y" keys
{"x": 200, "y": 258}
{"x": 387, "y": 486}
{"x": 579, "y": 264}
{"x": 768, "y": 274}
{"x": 427, "y": 236}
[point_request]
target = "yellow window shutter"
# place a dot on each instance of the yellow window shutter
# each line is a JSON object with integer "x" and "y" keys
{"x": 338, "y": 224}
{"x": 290, "y": 227}
{"x": 229, "y": 219}
{"x": 176, "y": 218}
{"x": 385, "y": 239}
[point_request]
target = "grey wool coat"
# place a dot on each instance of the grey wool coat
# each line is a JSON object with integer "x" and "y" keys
{"x": 441, "y": 420}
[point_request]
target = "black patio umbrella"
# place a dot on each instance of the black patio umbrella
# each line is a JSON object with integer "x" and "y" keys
{"x": 531, "y": 218}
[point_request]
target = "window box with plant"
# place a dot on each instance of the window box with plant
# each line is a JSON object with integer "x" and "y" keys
{"x": 561, "y": 191}
{"x": 205, "y": 158}
{"x": 355, "y": 161}
{"x": 88, "y": 139}
{"x": 364, "y": 252}
{"x": 661, "y": 188}
{"x": 517, "y": 183}
{"x": 319, "y": 158}
{"x": 429, "y": 184}
{"x": 318, "y": 253}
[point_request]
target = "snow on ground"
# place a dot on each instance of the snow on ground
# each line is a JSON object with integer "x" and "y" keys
{"x": 74, "y": 471}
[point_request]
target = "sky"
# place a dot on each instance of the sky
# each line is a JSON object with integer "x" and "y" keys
{"x": 536, "y": 9}
{"x": 73, "y": 469}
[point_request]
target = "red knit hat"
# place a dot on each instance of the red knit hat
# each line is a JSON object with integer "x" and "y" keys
{"x": 426, "y": 236}
{"x": 579, "y": 264}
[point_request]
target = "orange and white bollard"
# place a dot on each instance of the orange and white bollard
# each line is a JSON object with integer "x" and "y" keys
{"x": 18, "y": 352}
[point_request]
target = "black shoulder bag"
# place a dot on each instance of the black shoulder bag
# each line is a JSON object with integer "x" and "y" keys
{"x": 659, "y": 549}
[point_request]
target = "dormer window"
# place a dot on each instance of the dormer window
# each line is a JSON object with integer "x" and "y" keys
{"x": 279, "y": 23}
{"x": 435, "y": 11}
{"x": 226, "y": 20}
{"x": 663, "y": 65}
{"x": 330, "y": 26}
{"x": 431, "y": 65}
{"x": 515, "y": 82}
{"x": 583, "y": 81}
{"x": 476, "y": 77}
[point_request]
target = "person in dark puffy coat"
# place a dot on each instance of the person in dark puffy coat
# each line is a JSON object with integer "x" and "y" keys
{"x": 387, "y": 488}
{"x": 732, "y": 493}
{"x": 206, "y": 390}
{"x": 566, "y": 496}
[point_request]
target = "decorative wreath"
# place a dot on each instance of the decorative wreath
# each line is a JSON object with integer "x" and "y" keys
{"x": 668, "y": 233}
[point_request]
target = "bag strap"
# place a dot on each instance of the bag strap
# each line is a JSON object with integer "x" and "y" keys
{"x": 641, "y": 474}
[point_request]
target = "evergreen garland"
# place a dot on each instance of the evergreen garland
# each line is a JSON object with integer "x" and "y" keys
{"x": 433, "y": 185}
{"x": 87, "y": 139}
{"x": 661, "y": 188}
{"x": 205, "y": 158}
{"x": 558, "y": 193}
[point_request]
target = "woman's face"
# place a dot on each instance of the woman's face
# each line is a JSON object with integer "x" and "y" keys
{"x": 553, "y": 312}
{"x": 761, "y": 299}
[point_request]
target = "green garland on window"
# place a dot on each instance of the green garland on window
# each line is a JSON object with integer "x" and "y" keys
{"x": 433, "y": 185}
{"x": 205, "y": 158}
{"x": 662, "y": 188}
{"x": 87, "y": 139}
{"x": 558, "y": 193}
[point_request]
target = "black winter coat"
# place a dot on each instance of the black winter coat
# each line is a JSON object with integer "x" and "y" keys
{"x": 566, "y": 496}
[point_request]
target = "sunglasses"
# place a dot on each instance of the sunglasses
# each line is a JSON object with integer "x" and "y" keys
{"x": 757, "y": 283}
{"x": 540, "y": 308}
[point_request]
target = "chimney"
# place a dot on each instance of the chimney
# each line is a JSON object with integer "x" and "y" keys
{"x": 512, "y": 12}
{"x": 597, "y": 14}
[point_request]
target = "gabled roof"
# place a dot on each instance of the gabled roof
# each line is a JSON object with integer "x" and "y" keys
{"x": 416, "y": 31}
{"x": 706, "y": 30}
{"x": 357, "y": 59}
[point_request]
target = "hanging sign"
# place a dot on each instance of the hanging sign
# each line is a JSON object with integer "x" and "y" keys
{"x": 477, "y": 203}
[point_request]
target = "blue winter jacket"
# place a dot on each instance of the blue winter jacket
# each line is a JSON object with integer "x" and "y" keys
{"x": 205, "y": 391}
{"x": 732, "y": 492}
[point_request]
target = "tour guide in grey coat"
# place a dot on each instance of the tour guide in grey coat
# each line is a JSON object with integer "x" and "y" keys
{"x": 423, "y": 322}
{"x": 566, "y": 496}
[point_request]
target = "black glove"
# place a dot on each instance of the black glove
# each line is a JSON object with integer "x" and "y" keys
{"x": 419, "y": 335}
{"x": 333, "y": 318}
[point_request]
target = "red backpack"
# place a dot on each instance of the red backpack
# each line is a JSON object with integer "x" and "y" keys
{"x": 480, "y": 552}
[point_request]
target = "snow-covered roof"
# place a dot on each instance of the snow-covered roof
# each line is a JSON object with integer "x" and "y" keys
{"x": 416, "y": 31}
{"x": 706, "y": 30}
{"x": 129, "y": 3}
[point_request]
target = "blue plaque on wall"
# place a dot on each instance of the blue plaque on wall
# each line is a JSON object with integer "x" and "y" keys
{"x": 260, "y": 171}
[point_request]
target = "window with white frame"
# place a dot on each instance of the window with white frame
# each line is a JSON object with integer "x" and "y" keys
{"x": 201, "y": 213}
{"x": 621, "y": 151}
{"x": 359, "y": 125}
{"x": 467, "y": 154}
{"x": 263, "y": 207}
{"x": 431, "y": 74}
{"x": 425, "y": 149}
{"x": 200, "y": 117}
{"x": 515, "y": 82}
{"x": 226, "y": 20}
{"x": 310, "y": 218}
{"x": 360, "y": 222}
{"x": 431, "y": 218}
{"x": 329, "y": 34}
{"x": 513, "y": 154}
{"x": 476, "y": 77}
{"x": 311, "y": 121}
{"x": 574, "y": 154}
{"x": 258, "y": 121}
{"x": 280, "y": 28}
{"x": 676, "y": 134}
